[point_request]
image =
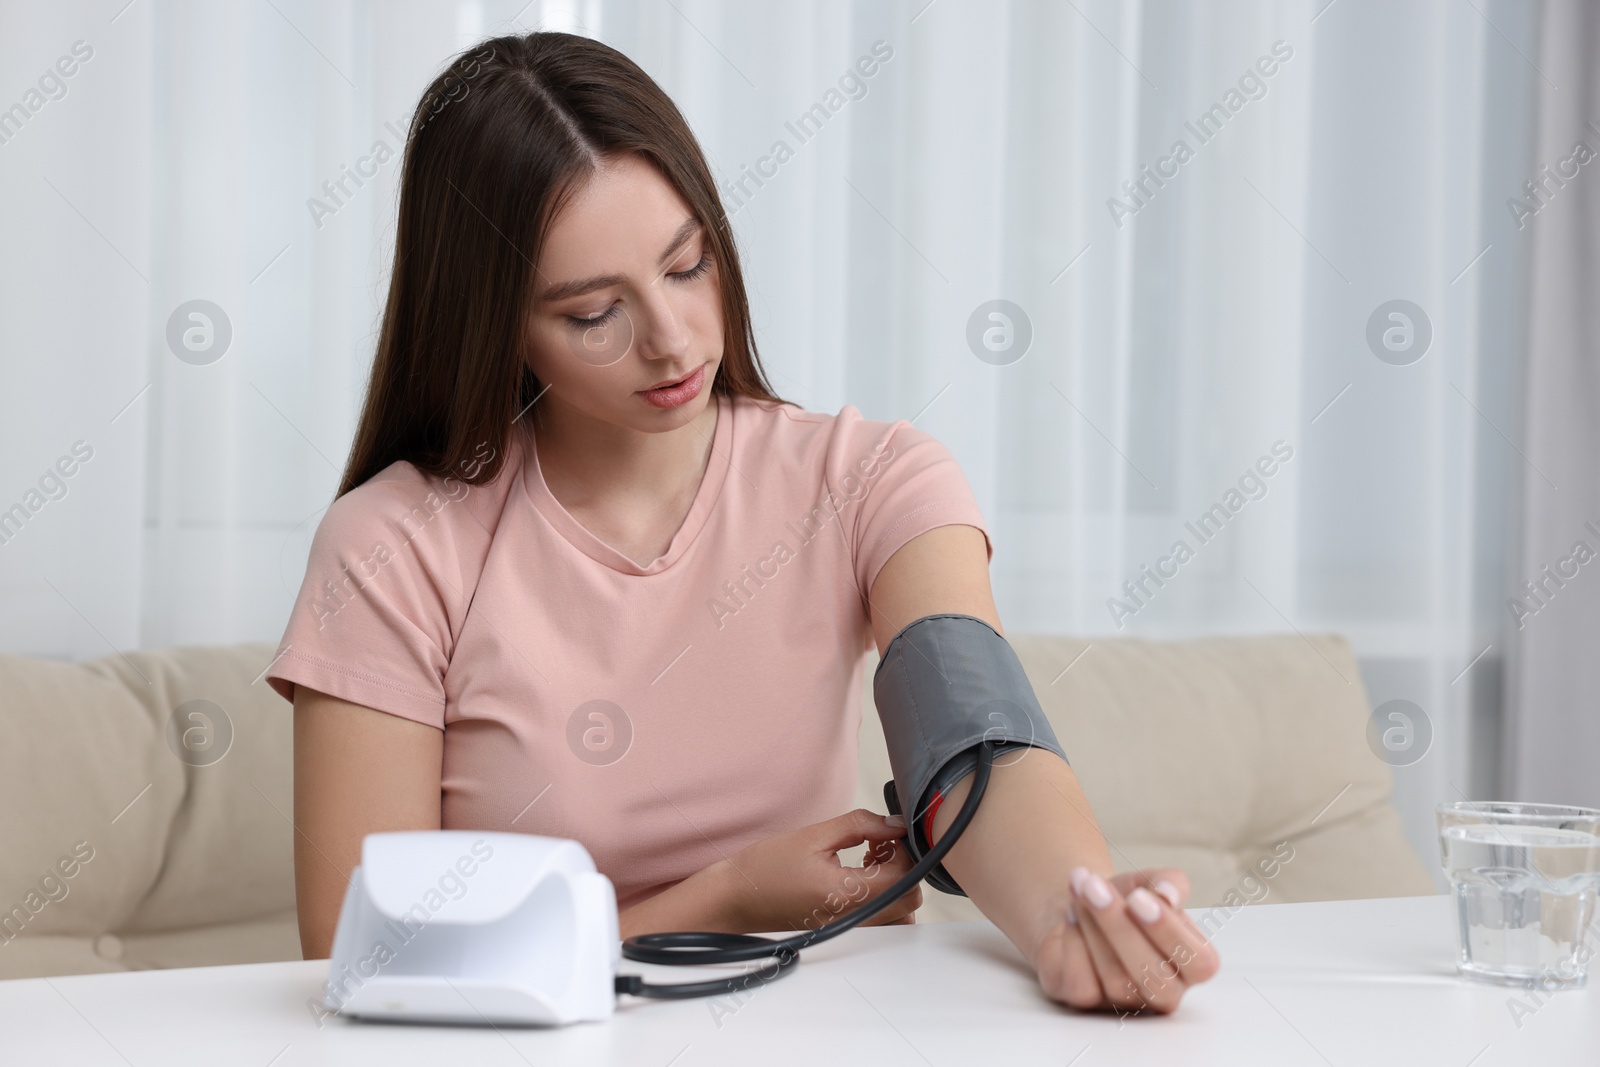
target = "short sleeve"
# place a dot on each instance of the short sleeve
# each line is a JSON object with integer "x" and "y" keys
{"x": 371, "y": 623}
{"x": 905, "y": 482}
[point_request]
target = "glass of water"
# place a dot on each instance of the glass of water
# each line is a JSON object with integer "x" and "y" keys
{"x": 1525, "y": 878}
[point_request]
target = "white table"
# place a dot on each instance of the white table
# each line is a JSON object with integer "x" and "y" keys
{"x": 1348, "y": 983}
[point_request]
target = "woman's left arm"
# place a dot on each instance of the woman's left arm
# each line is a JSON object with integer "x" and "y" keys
{"x": 1033, "y": 859}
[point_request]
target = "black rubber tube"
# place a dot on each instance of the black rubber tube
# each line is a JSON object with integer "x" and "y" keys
{"x": 679, "y": 949}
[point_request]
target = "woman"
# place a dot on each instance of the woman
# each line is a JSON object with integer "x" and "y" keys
{"x": 587, "y": 577}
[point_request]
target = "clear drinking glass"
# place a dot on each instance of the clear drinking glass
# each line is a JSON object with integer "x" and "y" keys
{"x": 1525, "y": 878}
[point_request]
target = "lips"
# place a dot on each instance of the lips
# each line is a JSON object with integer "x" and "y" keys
{"x": 677, "y": 392}
{"x": 673, "y": 381}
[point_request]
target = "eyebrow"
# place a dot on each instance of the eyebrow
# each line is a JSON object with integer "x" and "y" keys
{"x": 587, "y": 285}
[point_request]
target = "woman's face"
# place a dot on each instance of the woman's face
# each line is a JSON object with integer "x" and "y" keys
{"x": 627, "y": 297}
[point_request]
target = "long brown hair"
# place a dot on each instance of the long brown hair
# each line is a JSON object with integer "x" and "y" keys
{"x": 499, "y": 141}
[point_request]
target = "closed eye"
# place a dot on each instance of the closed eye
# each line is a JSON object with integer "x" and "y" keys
{"x": 599, "y": 320}
{"x": 695, "y": 271}
{"x": 683, "y": 276}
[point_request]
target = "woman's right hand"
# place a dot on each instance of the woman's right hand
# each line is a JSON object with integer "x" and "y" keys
{"x": 795, "y": 881}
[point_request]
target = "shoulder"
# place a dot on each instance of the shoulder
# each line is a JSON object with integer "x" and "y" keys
{"x": 885, "y": 477}
{"x": 402, "y": 506}
{"x": 841, "y": 440}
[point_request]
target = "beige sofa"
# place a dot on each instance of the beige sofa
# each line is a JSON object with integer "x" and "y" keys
{"x": 119, "y": 854}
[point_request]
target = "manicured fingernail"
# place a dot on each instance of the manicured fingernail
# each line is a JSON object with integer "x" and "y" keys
{"x": 1170, "y": 891}
{"x": 1143, "y": 904}
{"x": 898, "y": 821}
{"x": 1091, "y": 887}
{"x": 1077, "y": 876}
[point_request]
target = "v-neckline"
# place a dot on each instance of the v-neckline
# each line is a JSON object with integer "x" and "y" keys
{"x": 578, "y": 535}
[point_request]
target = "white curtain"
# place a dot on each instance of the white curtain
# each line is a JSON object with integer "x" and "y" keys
{"x": 1340, "y": 156}
{"x": 1553, "y": 734}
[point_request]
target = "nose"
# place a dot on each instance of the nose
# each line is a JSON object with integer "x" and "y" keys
{"x": 662, "y": 333}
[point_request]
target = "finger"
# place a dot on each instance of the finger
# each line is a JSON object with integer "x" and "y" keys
{"x": 1150, "y": 979}
{"x": 854, "y": 827}
{"x": 863, "y": 886}
{"x": 887, "y": 863}
{"x": 877, "y": 827}
{"x": 903, "y": 910}
{"x": 1117, "y": 988}
{"x": 888, "y": 858}
{"x": 1187, "y": 923}
{"x": 856, "y": 886}
{"x": 1066, "y": 970}
{"x": 1176, "y": 939}
{"x": 879, "y": 878}
{"x": 1170, "y": 882}
{"x": 892, "y": 917}
{"x": 880, "y": 852}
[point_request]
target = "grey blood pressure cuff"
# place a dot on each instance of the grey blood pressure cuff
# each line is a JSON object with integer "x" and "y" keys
{"x": 947, "y": 683}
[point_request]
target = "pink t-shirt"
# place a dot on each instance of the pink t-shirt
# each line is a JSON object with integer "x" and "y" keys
{"x": 664, "y": 716}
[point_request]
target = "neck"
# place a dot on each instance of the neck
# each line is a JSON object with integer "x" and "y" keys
{"x": 586, "y": 461}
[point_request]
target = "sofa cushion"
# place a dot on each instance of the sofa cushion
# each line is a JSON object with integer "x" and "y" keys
{"x": 269, "y": 939}
{"x": 83, "y": 763}
{"x": 158, "y": 834}
{"x": 238, "y": 806}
